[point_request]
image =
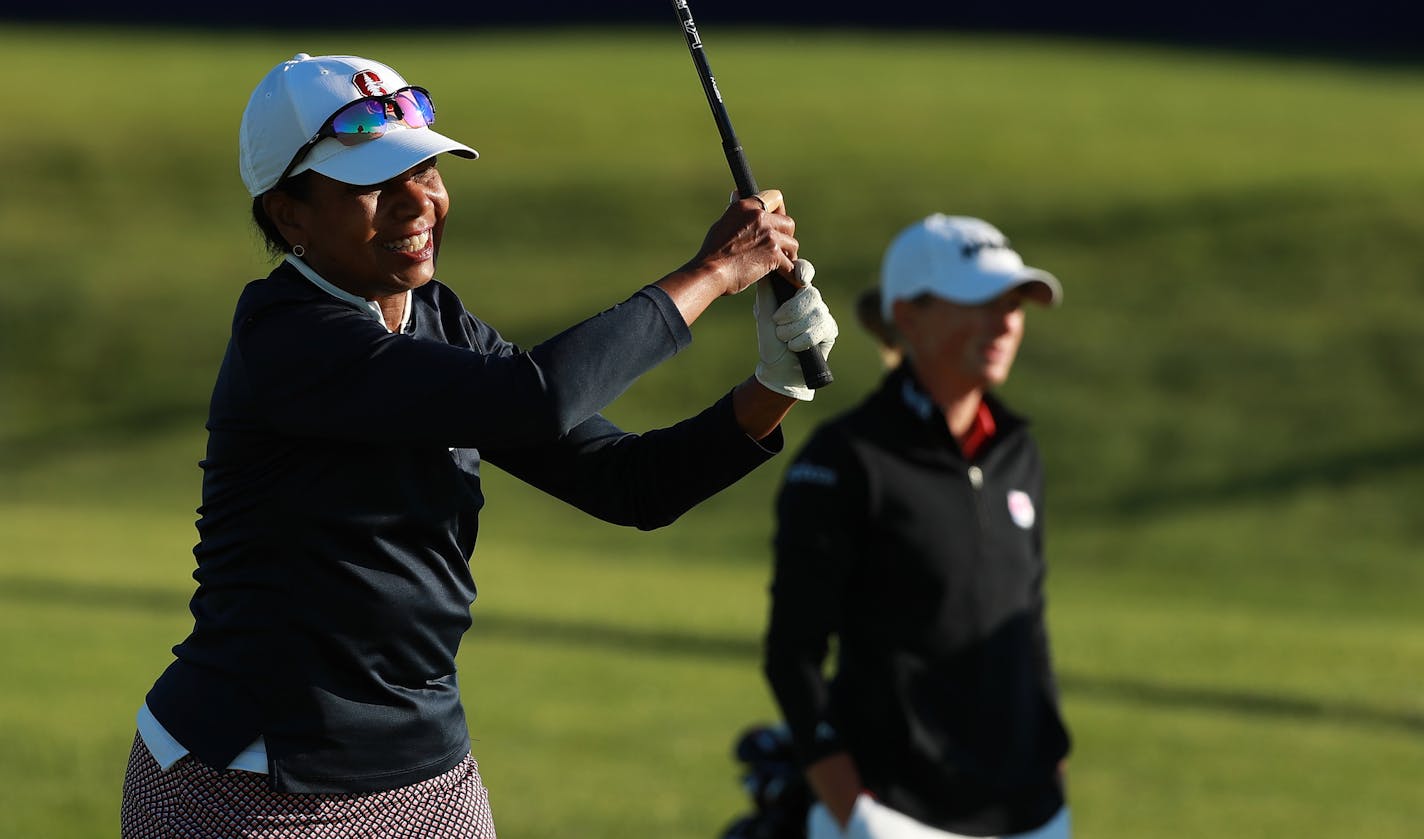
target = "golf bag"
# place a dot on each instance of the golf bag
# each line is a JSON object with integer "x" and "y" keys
{"x": 778, "y": 790}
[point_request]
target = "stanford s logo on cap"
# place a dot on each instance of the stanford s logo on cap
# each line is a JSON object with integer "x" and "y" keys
{"x": 369, "y": 84}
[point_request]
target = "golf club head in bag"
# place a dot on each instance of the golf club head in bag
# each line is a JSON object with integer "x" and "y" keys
{"x": 763, "y": 743}
{"x": 774, "y": 783}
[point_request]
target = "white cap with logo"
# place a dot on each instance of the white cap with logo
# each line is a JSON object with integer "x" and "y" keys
{"x": 293, "y": 102}
{"x": 960, "y": 259}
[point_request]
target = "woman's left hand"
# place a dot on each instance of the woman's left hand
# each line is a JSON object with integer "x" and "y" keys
{"x": 802, "y": 322}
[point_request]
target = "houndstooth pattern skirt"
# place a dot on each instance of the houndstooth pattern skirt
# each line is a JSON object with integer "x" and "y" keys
{"x": 193, "y": 801}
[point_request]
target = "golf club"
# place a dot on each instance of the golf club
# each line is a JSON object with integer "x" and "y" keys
{"x": 813, "y": 367}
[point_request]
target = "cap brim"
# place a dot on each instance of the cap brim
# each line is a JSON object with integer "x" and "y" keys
{"x": 1039, "y": 285}
{"x": 383, "y": 158}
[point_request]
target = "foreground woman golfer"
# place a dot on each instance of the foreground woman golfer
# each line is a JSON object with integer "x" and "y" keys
{"x": 317, "y": 694}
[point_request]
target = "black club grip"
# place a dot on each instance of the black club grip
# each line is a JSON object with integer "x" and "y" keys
{"x": 813, "y": 367}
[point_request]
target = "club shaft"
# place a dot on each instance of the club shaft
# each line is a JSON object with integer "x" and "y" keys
{"x": 813, "y": 366}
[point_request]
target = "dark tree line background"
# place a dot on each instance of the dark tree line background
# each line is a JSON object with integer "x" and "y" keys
{"x": 1392, "y": 28}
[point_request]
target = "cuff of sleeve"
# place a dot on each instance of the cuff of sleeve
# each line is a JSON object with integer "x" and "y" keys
{"x": 816, "y": 752}
{"x": 761, "y": 450}
{"x": 771, "y": 444}
{"x": 677, "y": 327}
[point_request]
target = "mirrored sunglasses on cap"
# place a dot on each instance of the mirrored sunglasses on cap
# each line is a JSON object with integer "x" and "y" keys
{"x": 366, "y": 119}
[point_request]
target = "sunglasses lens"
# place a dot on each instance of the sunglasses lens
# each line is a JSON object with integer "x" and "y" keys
{"x": 359, "y": 122}
{"x": 416, "y": 108}
{"x": 366, "y": 119}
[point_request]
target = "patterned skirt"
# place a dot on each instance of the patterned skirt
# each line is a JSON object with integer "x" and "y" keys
{"x": 193, "y": 801}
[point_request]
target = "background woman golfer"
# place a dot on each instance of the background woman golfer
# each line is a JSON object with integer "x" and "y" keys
{"x": 911, "y": 529}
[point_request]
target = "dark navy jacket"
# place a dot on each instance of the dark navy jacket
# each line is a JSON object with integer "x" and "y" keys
{"x": 341, "y": 500}
{"x": 928, "y": 570}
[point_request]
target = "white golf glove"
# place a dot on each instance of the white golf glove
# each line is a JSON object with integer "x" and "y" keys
{"x": 801, "y": 323}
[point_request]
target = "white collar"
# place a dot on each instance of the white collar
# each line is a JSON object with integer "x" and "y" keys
{"x": 359, "y": 302}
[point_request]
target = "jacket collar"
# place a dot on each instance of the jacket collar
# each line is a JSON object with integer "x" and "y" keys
{"x": 370, "y": 307}
{"x": 903, "y": 391}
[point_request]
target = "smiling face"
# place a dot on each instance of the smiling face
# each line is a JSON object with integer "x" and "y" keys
{"x": 373, "y": 241}
{"x": 959, "y": 349}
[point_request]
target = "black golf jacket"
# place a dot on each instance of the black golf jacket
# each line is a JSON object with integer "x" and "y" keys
{"x": 341, "y": 500}
{"x": 928, "y": 570}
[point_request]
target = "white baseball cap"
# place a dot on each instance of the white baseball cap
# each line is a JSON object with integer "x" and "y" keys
{"x": 293, "y": 102}
{"x": 960, "y": 259}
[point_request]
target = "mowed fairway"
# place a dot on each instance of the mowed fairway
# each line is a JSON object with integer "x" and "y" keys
{"x": 1229, "y": 400}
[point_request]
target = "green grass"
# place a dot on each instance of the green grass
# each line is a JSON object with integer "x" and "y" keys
{"x": 1228, "y": 401}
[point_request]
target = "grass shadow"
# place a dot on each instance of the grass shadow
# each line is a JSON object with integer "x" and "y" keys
{"x": 607, "y": 638}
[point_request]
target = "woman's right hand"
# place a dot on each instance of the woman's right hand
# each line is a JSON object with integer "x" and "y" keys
{"x": 744, "y": 245}
{"x": 753, "y": 238}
